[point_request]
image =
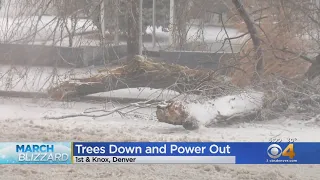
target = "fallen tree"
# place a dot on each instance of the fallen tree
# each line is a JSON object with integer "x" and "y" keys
{"x": 143, "y": 72}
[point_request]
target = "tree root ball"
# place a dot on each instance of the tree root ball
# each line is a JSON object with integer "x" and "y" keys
{"x": 175, "y": 113}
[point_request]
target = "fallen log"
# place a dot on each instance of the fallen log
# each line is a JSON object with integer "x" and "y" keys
{"x": 223, "y": 111}
{"x": 143, "y": 72}
{"x": 176, "y": 113}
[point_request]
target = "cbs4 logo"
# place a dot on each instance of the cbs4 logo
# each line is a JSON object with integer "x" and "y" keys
{"x": 275, "y": 151}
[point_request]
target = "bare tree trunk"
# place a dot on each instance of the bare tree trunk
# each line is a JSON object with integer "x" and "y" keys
{"x": 182, "y": 7}
{"x": 140, "y": 27}
{"x": 154, "y": 23}
{"x": 172, "y": 38}
{"x": 102, "y": 22}
{"x": 116, "y": 32}
{"x": 133, "y": 29}
{"x": 259, "y": 68}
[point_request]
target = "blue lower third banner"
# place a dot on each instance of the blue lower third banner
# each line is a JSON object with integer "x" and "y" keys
{"x": 159, "y": 153}
{"x": 196, "y": 152}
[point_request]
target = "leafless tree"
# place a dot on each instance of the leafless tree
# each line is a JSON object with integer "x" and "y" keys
{"x": 133, "y": 29}
{"x": 259, "y": 68}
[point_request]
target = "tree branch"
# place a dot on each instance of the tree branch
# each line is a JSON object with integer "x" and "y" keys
{"x": 254, "y": 36}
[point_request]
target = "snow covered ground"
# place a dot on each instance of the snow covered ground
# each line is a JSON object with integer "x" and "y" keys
{"x": 22, "y": 120}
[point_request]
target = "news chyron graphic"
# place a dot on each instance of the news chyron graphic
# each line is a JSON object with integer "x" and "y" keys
{"x": 280, "y": 154}
{"x": 35, "y": 153}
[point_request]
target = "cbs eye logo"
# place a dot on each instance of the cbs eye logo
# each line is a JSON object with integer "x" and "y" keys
{"x": 275, "y": 151}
